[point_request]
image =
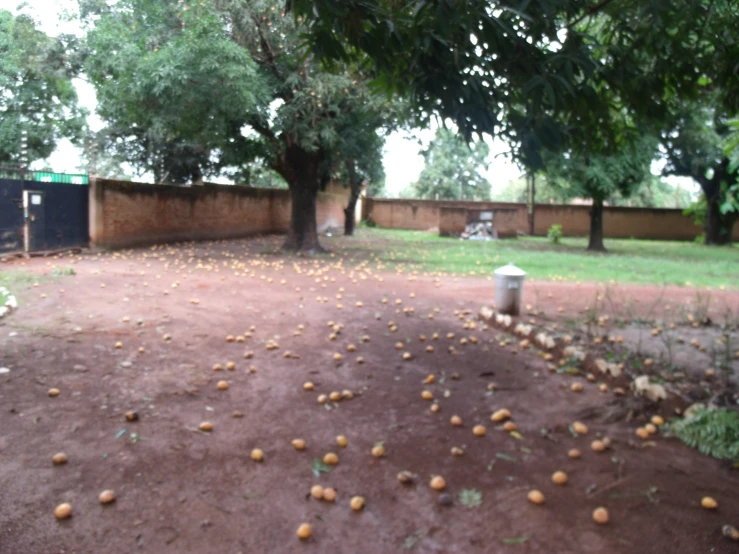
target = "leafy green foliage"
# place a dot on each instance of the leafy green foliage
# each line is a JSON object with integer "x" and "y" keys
{"x": 533, "y": 72}
{"x": 36, "y": 90}
{"x": 554, "y": 233}
{"x": 318, "y": 467}
{"x": 714, "y": 433}
{"x": 452, "y": 170}
{"x": 695, "y": 139}
{"x": 472, "y": 498}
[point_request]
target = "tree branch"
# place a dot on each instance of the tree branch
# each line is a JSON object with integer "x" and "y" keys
{"x": 267, "y": 133}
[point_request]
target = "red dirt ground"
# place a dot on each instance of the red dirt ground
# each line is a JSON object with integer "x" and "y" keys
{"x": 182, "y": 490}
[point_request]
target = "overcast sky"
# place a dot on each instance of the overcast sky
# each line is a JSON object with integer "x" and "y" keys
{"x": 402, "y": 160}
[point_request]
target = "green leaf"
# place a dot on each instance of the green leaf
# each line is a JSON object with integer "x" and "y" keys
{"x": 515, "y": 540}
{"x": 470, "y": 498}
{"x": 507, "y": 457}
{"x": 319, "y": 467}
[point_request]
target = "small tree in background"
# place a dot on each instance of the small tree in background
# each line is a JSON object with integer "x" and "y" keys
{"x": 452, "y": 169}
{"x": 598, "y": 176}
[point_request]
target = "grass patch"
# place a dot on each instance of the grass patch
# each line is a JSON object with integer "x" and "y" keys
{"x": 627, "y": 261}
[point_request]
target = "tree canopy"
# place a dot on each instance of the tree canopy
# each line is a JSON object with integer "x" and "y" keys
{"x": 452, "y": 169}
{"x": 227, "y": 84}
{"x": 36, "y": 90}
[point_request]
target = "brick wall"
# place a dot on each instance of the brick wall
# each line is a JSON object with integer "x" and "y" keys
{"x": 126, "y": 214}
{"x": 641, "y": 223}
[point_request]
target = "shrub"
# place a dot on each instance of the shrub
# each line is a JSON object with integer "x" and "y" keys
{"x": 713, "y": 432}
{"x": 555, "y": 233}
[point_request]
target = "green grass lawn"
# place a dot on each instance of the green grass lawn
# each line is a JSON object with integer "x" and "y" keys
{"x": 627, "y": 261}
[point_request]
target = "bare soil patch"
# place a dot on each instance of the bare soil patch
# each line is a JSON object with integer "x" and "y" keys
{"x": 180, "y": 489}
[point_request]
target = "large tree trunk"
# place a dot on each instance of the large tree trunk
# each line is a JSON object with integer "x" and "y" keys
{"x": 596, "y": 227}
{"x": 718, "y": 226}
{"x": 303, "y": 232}
{"x": 350, "y": 214}
{"x": 355, "y": 187}
{"x": 301, "y": 170}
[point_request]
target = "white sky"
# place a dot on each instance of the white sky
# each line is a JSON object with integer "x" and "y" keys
{"x": 402, "y": 160}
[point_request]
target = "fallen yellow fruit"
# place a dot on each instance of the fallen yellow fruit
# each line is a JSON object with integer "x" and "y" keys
{"x": 600, "y": 515}
{"x": 559, "y": 478}
{"x": 63, "y": 511}
{"x": 438, "y": 483}
{"x": 536, "y": 497}
{"x": 304, "y": 531}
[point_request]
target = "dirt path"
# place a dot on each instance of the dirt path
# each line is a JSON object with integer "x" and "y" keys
{"x": 183, "y": 490}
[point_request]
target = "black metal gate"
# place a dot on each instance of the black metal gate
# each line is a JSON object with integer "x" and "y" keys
{"x": 58, "y": 215}
{"x": 11, "y": 215}
{"x": 50, "y": 216}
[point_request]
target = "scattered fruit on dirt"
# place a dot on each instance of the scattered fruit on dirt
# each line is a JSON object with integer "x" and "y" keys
{"x": 322, "y": 398}
{"x": 60, "y": 458}
{"x": 298, "y": 444}
{"x": 574, "y": 453}
{"x": 53, "y": 392}
{"x": 330, "y": 459}
{"x": 342, "y": 441}
{"x": 329, "y": 494}
{"x": 106, "y": 497}
{"x": 650, "y": 428}
{"x": 536, "y": 497}
{"x": 438, "y": 483}
{"x": 406, "y": 477}
{"x": 304, "y": 531}
{"x": 217, "y": 367}
{"x": 580, "y": 428}
{"x": 730, "y": 532}
{"x": 257, "y": 455}
{"x": 222, "y": 385}
{"x": 63, "y": 511}
{"x": 445, "y": 499}
{"x": 600, "y": 515}
{"x": 119, "y": 344}
{"x": 510, "y": 426}
{"x": 435, "y": 407}
{"x": 407, "y": 355}
{"x": 709, "y": 503}
{"x": 230, "y": 366}
{"x": 456, "y": 421}
{"x": 430, "y": 378}
{"x": 479, "y": 430}
{"x": 658, "y": 420}
{"x": 337, "y": 357}
{"x": 357, "y": 503}
{"x": 576, "y": 387}
{"x": 206, "y": 426}
{"x": 500, "y": 415}
{"x": 642, "y": 433}
{"x": 457, "y": 451}
{"x": 316, "y": 491}
{"x": 378, "y": 451}
{"x": 132, "y": 416}
{"x": 559, "y": 478}
{"x": 427, "y": 395}
{"x": 335, "y": 396}
{"x": 308, "y": 386}
{"x": 597, "y": 446}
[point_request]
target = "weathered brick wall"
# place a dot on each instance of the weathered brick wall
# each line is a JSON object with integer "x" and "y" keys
{"x": 126, "y": 214}
{"x": 424, "y": 214}
{"x": 640, "y": 223}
